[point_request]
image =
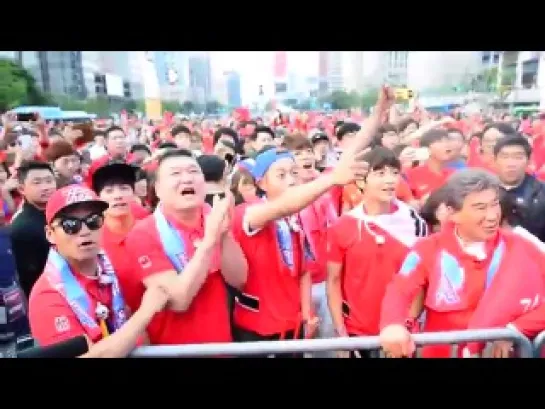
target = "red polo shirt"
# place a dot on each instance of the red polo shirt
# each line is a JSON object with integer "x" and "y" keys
{"x": 52, "y": 320}
{"x": 423, "y": 180}
{"x": 207, "y": 318}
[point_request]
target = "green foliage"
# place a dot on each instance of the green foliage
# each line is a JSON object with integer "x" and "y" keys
{"x": 187, "y": 107}
{"x": 213, "y": 107}
{"x": 18, "y": 87}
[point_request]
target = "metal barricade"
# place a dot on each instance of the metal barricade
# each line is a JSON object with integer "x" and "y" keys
{"x": 539, "y": 343}
{"x": 523, "y": 346}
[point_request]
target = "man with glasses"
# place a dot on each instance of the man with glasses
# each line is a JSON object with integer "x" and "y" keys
{"x": 78, "y": 292}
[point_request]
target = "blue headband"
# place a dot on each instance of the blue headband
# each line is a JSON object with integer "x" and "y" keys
{"x": 264, "y": 161}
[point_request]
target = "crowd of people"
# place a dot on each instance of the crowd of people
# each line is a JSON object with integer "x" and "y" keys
{"x": 286, "y": 226}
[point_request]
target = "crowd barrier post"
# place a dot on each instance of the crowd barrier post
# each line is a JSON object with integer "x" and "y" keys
{"x": 539, "y": 343}
{"x": 523, "y": 346}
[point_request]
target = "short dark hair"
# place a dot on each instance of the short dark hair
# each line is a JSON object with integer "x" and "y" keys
{"x": 213, "y": 167}
{"x": 502, "y": 127}
{"x": 387, "y": 128}
{"x": 435, "y": 199}
{"x": 346, "y": 128}
{"x": 167, "y": 145}
{"x": 405, "y": 123}
{"x": 98, "y": 132}
{"x": 337, "y": 126}
{"x": 513, "y": 140}
{"x": 180, "y": 129}
{"x": 380, "y": 157}
{"x": 28, "y": 166}
{"x": 261, "y": 129}
{"x": 225, "y": 131}
{"x": 140, "y": 147}
{"x": 432, "y": 136}
{"x": 174, "y": 153}
{"x": 111, "y": 129}
{"x": 297, "y": 142}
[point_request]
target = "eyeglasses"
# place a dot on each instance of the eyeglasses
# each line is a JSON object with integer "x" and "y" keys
{"x": 73, "y": 225}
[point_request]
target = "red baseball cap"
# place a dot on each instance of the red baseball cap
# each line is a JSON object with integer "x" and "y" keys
{"x": 70, "y": 196}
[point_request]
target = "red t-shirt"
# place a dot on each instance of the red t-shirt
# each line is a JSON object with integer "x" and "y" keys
{"x": 367, "y": 268}
{"x": 207, "y": 318}
{"x": 422, "y": 180}
{"x": 52, "y": 320}
{"x": 271, "y": 298}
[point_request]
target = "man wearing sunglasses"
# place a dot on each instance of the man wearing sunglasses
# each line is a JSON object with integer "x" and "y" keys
{"x": 78, "y": 292}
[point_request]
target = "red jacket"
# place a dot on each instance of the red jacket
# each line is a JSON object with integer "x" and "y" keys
{"x": 457, "y": 295}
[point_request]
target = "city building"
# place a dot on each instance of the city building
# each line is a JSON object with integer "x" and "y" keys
{"x": 353, "y": 71}
{"x": 323, "y": 84}
{"x": 108, "y": 74}
{"x": 200, "y": 78}
{"x": 56, "y": 72}
{"x": 172, "y": 71}
{"x": 442, "y": 70}
{"x": 234, "y": 98}
{"x": 280, "y": 74}
{"x": 335, "y": 78}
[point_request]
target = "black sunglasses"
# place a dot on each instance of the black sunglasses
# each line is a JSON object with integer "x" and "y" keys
{"x": 73, "y": 225}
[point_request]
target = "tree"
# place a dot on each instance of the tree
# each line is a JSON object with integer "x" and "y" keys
{"x": 99, "y": 105}
{"x": 212, "y": 107}
{"x": 171, "y": 106}
{"x": 343, "y": 100}
{"x": 66, "y": 103}
{"x": 369, "y": 98}
{"x": 18, "y": 87}
{"x": 187, "y": 107}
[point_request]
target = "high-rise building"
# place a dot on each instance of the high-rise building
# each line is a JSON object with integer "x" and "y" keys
{"x": 353, "y": 71}
{"x": 280, "y": 73}
{"x": 112, "y": 74}
{"x": 450, "y": 70}
{"x": 323, "y": 84}
{"x": 172, "y": 71}
{"x": 330, "y": 71}
{"x": 394, "y": 67}
{"x": 233, "y": 89}
{"x": 200, "y": 78}
{"x": 335, "y": 70}
{"x": 56, "y": 72}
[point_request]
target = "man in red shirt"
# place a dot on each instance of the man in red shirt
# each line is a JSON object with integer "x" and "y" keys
{"x": 367, "y": 246}
{"x": 428, "y": 177}
{"x": 315, "y": 218}
{"x": 191, "y": 259}
{"x": 117, "y": 148}
{"x": 114, "y": 183}
{"x": 470, "y": 274}
{"x": 78, "y": 292}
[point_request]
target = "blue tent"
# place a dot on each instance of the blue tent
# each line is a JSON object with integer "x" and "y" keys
{"x": 47, "y": 113}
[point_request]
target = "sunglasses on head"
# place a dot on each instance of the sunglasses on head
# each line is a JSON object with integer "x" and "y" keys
{"x": 72, "y": 225}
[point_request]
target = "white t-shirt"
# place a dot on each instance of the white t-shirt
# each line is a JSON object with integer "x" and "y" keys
{"x": 96, "y": 152}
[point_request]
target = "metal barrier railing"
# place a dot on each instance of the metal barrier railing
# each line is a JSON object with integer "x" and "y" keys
{"x": 539, "y": 344}
{"x": 523, "y": 346}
